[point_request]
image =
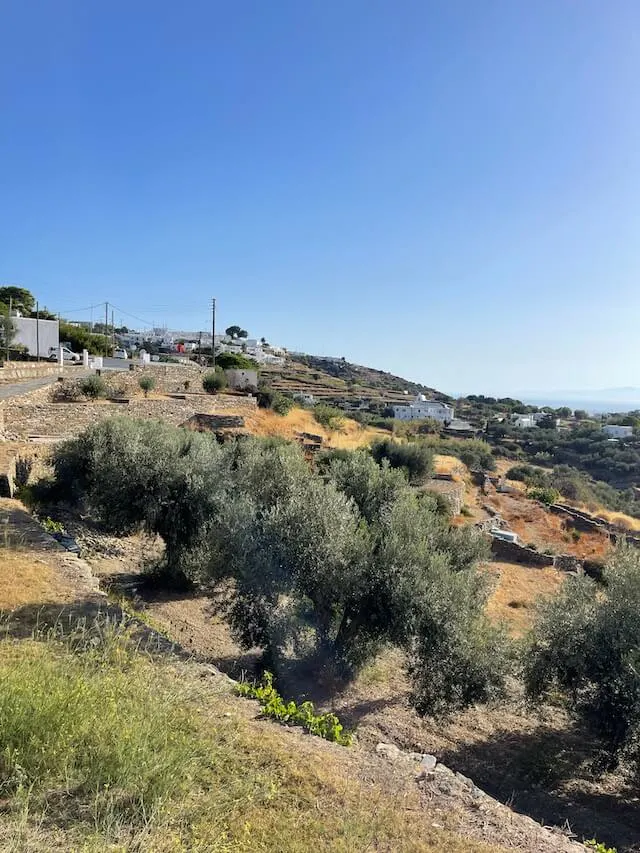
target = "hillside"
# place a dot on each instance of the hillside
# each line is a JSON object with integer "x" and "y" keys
{"x": 504, "y": 748}
{"x": 342, "y": 382}
{"x": 178, "y": 761}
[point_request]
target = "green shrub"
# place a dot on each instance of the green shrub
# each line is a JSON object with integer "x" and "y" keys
{"x": 147, "y": 383}
{"x": 546, "y": 495}
{"x": 94, "y": 387}
{"x": 214, "y": 381}
{"x": 289, "y": 713}
{"x": 282, "y": 404}
{"x": 587, "y": 644}
{"x": 232, "y": 360}
{"x": 327, "y": 416}
{"x": 594, "y": 845}
{"x": 529, "y": 475}
{"x": 416, "y": 458}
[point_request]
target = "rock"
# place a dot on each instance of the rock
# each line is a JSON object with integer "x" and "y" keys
{"x": 389, "y": 751}
{"x": 428, "y": 763}
{"x": 465, "y": 780}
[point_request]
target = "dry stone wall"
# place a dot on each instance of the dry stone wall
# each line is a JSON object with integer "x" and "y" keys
{"x": 169, "y": 378}
{"x": 26, "y": 417}
{"x": 513, "y": 553}
{"x": 16, "y": 371}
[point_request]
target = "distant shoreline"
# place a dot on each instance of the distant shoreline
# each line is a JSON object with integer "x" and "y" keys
{"x": 593, "y": 407}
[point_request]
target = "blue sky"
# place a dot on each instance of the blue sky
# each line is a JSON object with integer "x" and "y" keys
{"x": 446, "y": 189}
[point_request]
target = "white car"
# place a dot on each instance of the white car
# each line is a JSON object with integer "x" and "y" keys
{"x": 120, "y": 353}
{"x": 67, "y": 354}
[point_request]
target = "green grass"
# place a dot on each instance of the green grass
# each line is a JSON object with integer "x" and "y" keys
{"x": 106, "y": 749}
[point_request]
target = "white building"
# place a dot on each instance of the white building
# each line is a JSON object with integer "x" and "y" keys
{"x": 38, "y": 336}
{"x": 242, "y": 379}
{"x": 618, "y": 431}
{"x": 523, "y": 421}
{"x": 421, "y": 409}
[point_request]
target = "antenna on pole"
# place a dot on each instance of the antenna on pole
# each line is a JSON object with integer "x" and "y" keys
{"x": 213, "y": 333}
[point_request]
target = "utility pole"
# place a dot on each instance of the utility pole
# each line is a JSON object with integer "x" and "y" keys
{"x": 7, "y": 331}
{"x": 113, "y": 332}
{"x": 213, "y": 333}
{"x": 106, "y": 328}
{"x": 38, "y": 329}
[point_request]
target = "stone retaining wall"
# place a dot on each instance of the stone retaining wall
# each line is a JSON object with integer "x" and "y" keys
{"x": 452, "y": 491}
{"x": 27, "y": 416}
{"x": 170, "y": 379}
{"x": 511, "y": 552}
{"x": 16, "y": 371}
{"x": 211, "y": 423}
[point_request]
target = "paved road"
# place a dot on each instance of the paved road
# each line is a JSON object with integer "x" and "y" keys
{"x": 17, "y": 389}
{"x": 119, "y": 363}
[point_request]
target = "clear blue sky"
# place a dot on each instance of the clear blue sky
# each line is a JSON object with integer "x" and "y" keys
{"x": 447, "y": 189}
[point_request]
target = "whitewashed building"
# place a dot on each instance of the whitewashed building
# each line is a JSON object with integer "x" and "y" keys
{"x": 617, "y": 431}
{"x": 523, "y": 421}
{"x": 421, "y": 409}
{"x": 38, "y": 336}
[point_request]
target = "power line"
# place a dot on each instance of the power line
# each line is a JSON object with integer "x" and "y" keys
{"x": 133, "y": 316}
{"x": 79, "y": 310}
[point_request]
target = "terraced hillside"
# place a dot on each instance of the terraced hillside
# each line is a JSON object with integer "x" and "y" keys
{"x": 344, "y": 383}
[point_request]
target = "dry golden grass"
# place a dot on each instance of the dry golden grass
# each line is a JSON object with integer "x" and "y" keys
{"x": 619, "y": 518}
{"x": 264, "y": 422}
{"x": 27, "y": 579}
{"x": 517, "y": 589}
{"x": 450, "y": 465}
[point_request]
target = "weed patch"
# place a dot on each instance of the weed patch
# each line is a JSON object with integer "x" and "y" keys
{"x": 290, "y": 714}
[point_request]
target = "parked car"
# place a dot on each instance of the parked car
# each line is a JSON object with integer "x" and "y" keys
{"x": 120, "y": 353}
{"x": 67, "y": 354}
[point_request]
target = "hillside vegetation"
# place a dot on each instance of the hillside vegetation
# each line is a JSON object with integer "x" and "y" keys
{"x": 107, "y": 749}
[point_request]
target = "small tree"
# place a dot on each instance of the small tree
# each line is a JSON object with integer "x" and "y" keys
{"x": 94, "y": 387}
{"x": 147, "y": 383}
{"x": 214, "y": 381}
{"x": 328, "y": 416}
{"x": 20, "y": 298}
{"x": 7, "y": 331}
{"x": 236, "y": 332}
{"x": 587, "y": 643}
{"x": 282, "y": 404}
{"x": 415, "y": 458}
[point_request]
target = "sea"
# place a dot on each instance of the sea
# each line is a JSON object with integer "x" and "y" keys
{"x": 593, "y": 407}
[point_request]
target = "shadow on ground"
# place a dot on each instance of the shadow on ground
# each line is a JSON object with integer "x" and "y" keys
{"x": 535, "y": 773}
{"x": 83, "y": 617}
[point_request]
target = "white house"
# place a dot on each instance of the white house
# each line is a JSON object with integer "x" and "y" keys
{"x": 523, "y": 421}
{"x": 242, "y": 379}
{"x": 38, "y": 336}
{"x": 421, "y": 409}
{"x": 618, "y": 431}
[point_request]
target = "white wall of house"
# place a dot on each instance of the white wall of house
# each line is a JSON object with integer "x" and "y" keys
{"x": 618, "y": 431}
{"x": 241, "y": 379}
{"x": 524, "y": 422}
{"x": 421, "y": 409}
{"x": 30, "y": 332}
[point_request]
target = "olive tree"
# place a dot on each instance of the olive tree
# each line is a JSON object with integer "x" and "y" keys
{"x": 586, "y": 642}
